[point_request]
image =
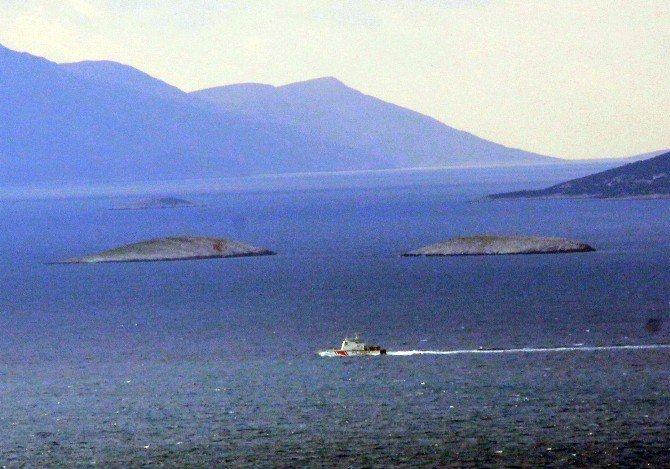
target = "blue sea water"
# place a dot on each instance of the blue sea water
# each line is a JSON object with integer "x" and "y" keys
{"x": 205, "y": 362}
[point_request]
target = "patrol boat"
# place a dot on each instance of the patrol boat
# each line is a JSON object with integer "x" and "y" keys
{"x": 353, "y": 348}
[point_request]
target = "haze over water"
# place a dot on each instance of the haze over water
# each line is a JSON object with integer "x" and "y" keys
{"x": 213, "y": 361}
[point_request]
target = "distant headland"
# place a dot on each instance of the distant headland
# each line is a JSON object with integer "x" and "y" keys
{"x": 646, "y": 179}
{"x": 500, "y": 245}
{"x": 172, "y": 249}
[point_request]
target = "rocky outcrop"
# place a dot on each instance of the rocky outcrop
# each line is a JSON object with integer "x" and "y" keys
{"x": 500, "y": 245}
{"x": 172, "y": 249}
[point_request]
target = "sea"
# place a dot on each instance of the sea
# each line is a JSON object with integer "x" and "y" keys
{"x": 213, "y": 362}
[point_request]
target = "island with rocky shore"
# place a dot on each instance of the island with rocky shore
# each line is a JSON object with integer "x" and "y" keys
{"x": 161, "y": 202}
{"x": 172, "y": 249}
{"x": 500, "y": 245}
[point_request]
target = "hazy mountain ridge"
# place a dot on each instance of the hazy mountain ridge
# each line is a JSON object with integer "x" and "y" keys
{"x": 102, "y": 121}
{"x": 57, "y": 126}
{"x": 398, "y": 136}
{"x": 646, "y": 178}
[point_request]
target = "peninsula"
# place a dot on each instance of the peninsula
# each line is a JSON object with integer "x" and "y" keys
{"x": 500, "y": 245}
{"x": 172, "y": 249}
{"x": 644, "y": 179}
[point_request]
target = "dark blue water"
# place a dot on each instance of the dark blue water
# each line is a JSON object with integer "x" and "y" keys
{"x": 213, "y": 361}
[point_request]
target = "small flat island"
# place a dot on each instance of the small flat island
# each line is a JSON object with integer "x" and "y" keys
{"x": 500, "y": 245}
{"x": 161, "y": 202}
{"x": 172, "y": 249}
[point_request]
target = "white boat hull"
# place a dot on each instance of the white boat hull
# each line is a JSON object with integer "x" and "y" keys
{"x": 351, "y": 353}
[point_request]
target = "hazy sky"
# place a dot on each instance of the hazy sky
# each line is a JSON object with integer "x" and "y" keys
{"x": 571, "y": 78}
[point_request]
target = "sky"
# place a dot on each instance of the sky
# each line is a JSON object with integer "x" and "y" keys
{"x": 568, "y": 78}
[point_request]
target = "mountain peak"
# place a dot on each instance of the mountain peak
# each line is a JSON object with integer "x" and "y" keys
{"x": 320, "y": 84}
{"x": 104, "y": 68}
{"x": 325, "y": 81}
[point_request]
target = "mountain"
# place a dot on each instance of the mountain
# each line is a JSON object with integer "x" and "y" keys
{"x": 647, "y": 178}
{"x": 389, "y": 135}
{"x": 103, "y": 121}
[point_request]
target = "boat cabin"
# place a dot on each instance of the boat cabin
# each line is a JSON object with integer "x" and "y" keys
{"x": 352, "y": 344}
{"x": 357, "y": 345}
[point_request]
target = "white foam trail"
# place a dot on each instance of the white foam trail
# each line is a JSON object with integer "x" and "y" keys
{"x": 530, "y": 350}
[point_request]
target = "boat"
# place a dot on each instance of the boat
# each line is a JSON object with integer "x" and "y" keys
{"x": 354, "y": 348}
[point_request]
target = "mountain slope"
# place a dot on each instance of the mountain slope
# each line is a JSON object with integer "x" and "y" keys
{"x": 104, "y": 121}
{"x": 109, "y": 73}
{"x": 390, "y": 135}
{"x": 647, "y": 178}
{"x": 56, "y": 125}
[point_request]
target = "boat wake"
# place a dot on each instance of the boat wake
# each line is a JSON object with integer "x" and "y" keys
{"x": 572, "y": 348}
